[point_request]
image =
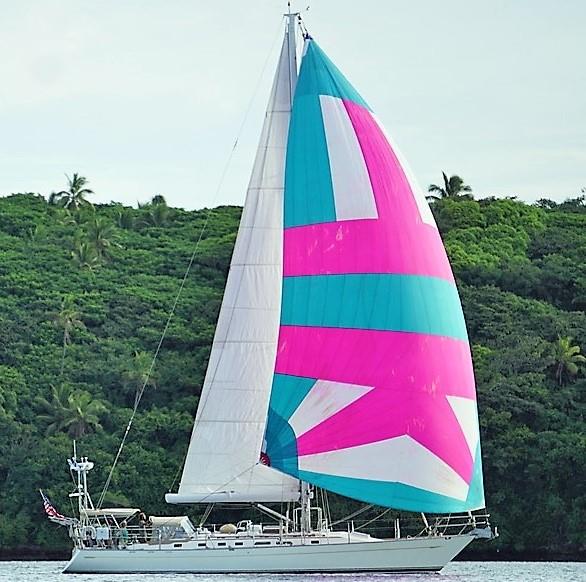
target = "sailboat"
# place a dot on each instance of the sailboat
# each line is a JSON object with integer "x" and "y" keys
{"x": 340, "y": 361}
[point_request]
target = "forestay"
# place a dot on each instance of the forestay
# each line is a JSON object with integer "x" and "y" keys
{"x": 373, "y": 394}
{"x": 222, "y": 463}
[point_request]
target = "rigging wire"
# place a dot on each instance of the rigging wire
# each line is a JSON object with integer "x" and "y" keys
{"x": 206, "y": 514}
{"x": 185, "y": 276}
{"x": 375, "y": 518}
{"x": 352, "y": 515}
{"x": 327, "y": 506}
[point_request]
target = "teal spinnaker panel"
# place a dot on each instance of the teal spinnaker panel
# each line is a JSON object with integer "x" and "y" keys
{"x": 319, "y": 76}
{"x": 308, "y": 179}
{"x": 393, "y": 302}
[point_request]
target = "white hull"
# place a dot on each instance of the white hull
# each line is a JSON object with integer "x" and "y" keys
{"x": 424, "y": 554}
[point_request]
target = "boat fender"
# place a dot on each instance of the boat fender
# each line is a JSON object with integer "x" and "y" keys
{"x": 228, "y": 528}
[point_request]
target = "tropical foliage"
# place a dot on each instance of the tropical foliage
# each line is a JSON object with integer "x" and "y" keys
{"x": 453, "y": 187}
{"x": 568, "y": 359}
{"x": 85, "y": 294}
{"x": 73, "y": 411}
{"x": 76, "y": 194}
{"x": 67, "y": 320}
{"x": 138, "y": 375}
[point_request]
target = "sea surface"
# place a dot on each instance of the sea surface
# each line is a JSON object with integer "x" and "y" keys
{"x": 456, "y": 572}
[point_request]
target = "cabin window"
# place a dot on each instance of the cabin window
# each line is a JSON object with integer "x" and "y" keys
{"x": 221, "y": 544}
{"x": 177, "y": 545}
{"x": 315, "y": 541}
{"x": 201, "y": 545}
{"x": 262, "y": 543}
{"x": 239, "y": 543}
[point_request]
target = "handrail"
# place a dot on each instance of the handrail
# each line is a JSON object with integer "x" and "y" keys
{"x": 118, "y": 536}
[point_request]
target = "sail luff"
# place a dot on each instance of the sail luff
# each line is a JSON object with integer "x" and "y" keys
{"x": 291, "y": 56}
{"x": 373, "y": 395}
{"x": 222, "y": 463}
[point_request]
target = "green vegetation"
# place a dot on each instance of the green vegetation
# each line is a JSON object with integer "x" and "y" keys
{"x": 85, "y": 292}
{"x": 74, "y": 197}
{"x": 453, "y": 187}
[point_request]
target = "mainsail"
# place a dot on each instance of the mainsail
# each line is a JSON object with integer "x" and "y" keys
{"x": 373, "y": 395}
{"x": 222, "y": 463}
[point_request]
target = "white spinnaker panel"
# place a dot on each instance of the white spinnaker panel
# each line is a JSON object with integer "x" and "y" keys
{"x": 412, "y": 465}
{"x": 222, "y": 463}
{"x": 353, "y": 195}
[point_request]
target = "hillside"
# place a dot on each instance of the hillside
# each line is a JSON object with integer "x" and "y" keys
{"x": 85, "y": 294}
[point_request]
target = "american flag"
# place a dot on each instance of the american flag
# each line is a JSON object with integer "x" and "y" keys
{"x": 52, "y": 513}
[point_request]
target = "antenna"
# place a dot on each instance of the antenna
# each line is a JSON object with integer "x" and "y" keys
{"x": 289, "y": 7}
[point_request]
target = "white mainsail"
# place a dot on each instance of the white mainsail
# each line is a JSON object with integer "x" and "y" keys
{"x": 222, "y": 463}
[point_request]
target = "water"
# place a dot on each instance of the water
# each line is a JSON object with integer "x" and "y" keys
{"x": 456, "y": 572}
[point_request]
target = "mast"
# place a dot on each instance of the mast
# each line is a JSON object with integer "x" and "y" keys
{"x": 292, "y": 17}
{"x": 292, "y": 50}
{"x": 306, "y": 496}
{"x": 81, "y": 467}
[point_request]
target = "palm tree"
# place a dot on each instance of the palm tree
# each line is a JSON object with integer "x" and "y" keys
{"x": 83, "y": 414}
{"x": 75, "y": 196}
{"x": 74, "y": 411}
{"x": 101, "y": 235}
{"x": 453, "y": 187}
{"x": 77, "y": 218}
{"x": 568, "y": 358}
{"x": 158, "y": 214}
{"x": 68, "y": 319}
{"x": 84, "y": 255}
{"x": 125, "y": 218}
{"x": 158, "y": 199}
{"x": 54, "y": 411}
{"x": 32, "y": 237}
{"x": 138, "y": 373}
{"x": 154, "y": 214}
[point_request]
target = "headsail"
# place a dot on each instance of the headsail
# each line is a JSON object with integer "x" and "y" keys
{"x": 373, "y": 394}
{"x": 222, "y": 463}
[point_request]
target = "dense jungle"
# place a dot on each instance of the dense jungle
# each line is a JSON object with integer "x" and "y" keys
{"x": 85, "y": 293}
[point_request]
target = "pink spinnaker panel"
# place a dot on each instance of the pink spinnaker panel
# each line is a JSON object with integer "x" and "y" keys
{"x": 411, "y": 373}
{"x": 397, "y": 242}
